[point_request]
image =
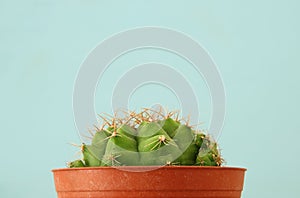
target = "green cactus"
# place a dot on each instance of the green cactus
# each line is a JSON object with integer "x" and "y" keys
{"x": 141, "y": 139}
{"x": 76, "y": 164}
{"x": 90, "y": 155}
{"x": 116, "y": 155}
{"x": 170, "y": 125}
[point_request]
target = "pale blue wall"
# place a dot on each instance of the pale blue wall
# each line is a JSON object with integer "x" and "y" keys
{"x": 255, "y": 45}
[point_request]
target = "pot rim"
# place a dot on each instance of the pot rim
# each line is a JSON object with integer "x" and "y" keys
{"x": 146, "y": 167}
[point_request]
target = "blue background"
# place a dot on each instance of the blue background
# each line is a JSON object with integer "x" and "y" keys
{"x": 255, "y": 44}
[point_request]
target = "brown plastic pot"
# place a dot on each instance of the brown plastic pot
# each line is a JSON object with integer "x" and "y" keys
{"x": 168, "y": 181}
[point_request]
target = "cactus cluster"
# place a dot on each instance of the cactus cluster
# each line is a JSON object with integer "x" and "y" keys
{"x": 148, "y": 138}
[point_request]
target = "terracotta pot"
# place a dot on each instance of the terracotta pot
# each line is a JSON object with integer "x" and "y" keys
{"x": 168, "y": 181}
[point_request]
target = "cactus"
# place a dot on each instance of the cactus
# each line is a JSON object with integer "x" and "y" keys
{"x": 145, "y": 140}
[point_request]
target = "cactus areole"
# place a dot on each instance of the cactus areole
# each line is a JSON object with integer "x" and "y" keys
{"x": 184, "y": 162}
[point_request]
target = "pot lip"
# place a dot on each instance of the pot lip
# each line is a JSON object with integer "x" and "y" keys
{"x": 146, "y": 167}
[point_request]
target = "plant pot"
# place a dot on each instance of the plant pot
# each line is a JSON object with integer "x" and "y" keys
{"x": 136, "y": 181}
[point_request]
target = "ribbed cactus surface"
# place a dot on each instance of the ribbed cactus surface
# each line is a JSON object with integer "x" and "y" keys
{"x": 148, "y": 138}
